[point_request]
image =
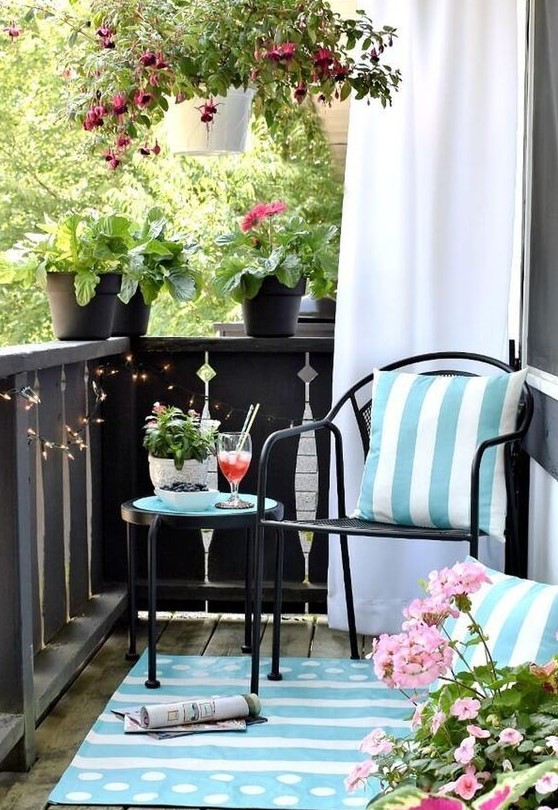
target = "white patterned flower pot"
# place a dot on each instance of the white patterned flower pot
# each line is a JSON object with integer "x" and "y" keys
{"x": 163, "y": 472}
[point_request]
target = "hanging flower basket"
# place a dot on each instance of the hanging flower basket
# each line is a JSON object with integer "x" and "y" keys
{"x": 218, "y": 125}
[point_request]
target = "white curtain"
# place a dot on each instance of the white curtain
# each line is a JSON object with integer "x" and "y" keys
{"x": 427, "y": 238}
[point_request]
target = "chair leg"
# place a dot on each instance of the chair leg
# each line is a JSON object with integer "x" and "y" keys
{"x": 349, "y": 597}
{"x": 257, "y": 609}
{"x": 275, "y": 674}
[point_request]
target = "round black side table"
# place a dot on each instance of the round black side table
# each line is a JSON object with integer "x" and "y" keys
{"x": 151, "y": 512}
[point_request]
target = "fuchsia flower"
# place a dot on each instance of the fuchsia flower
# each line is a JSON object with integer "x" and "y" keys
{"x": 300, "y": 92}
{"x": 148, "y": 59}
{"x": 143, "y": 99}
{"x": 94, "y": 117}
{"x": 13, "y": 31}
{"x": 208, "y": 110}
{"x": 119, "y": 104}
{"x": 123, "y": 141}
{"x": 284, "y": 52}
{"x": 106, "y": 35}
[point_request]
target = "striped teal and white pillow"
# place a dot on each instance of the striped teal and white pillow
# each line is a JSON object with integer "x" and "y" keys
{"x": 519, "y": 616}
{"x": 424, "y": 433}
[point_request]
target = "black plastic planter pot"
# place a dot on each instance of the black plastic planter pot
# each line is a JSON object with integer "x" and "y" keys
{"x": 131, "y": 319}
{"x": 71, "y": 321}
{"x": 273, "y": 312}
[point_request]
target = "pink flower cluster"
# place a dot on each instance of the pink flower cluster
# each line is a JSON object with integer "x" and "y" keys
{"x": 260, "y": 212}
{"x": 462, "y": 579}
{"x": 420, "y": 654}
{"x": 411, "y": 659}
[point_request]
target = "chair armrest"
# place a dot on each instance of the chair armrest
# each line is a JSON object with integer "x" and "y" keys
{"x": 287, "y": 433}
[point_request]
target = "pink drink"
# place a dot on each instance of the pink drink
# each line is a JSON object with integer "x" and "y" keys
{"x": 234, "y": 465}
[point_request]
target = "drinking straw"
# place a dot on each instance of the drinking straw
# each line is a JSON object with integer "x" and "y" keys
{"x": 246, "y": 430}
{"x": 248, "y": 415}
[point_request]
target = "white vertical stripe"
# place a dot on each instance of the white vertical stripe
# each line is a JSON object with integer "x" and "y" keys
{"x": 532, "y": 630}
{"x": 465, "y": 445}
{"x": 498, "y": 618}
{"x": 424, "y": 451}
{"x": 395, "y": 405}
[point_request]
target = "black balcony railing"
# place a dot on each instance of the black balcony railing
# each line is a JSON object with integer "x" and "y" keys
{"x": 62, "y": 546}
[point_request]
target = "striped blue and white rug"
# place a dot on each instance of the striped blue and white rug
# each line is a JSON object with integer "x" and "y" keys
{"x": 317, "y": 716}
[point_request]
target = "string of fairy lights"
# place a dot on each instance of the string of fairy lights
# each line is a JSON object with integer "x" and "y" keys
{"x": 74, "y": 438}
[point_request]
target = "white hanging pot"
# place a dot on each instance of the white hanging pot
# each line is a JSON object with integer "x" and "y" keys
{"x": 163, "y": 472}
{"x": 227, "y": 132}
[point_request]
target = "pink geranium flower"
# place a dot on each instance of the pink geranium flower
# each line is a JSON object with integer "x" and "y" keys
{"x": 478, "y": 732}
{"x": 438, "y": 719}
{"x": 376, "y": 743}
{"x": 359, "y": 774}
{"x": 414, "y": 658}
{"x": 431, "y": 610}
{"x": 547, "y": 783}
{"x": 461, "y": 579}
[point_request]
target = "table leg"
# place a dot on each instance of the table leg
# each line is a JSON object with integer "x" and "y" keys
{"x": 248, "y": 590}
{"x": 152, "y": 682}
{"x": 131, "y": 655}
{"x": 275, "y": 674}
{"x": 257, "y": 609}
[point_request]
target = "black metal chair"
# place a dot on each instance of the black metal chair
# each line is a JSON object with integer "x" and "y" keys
{"x": 358, "y": 400}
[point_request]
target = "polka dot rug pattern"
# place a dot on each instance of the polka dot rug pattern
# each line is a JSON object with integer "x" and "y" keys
{"x": 299, "y": 758}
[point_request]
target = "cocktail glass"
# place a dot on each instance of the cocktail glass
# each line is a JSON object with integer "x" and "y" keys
{"x": 234, "y": 453}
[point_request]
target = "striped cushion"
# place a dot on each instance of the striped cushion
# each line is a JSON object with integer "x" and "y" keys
{"x": 424, "y": 433}
{"x": 519, "y": 616}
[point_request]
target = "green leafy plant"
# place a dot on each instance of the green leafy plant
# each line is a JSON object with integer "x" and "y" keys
{"x": 91, "y": 244}
{"x": 171, "y": 433}
{"x": 130, "y": 60}
{"x": 486, "y": 733}
{"x": 155, "y": 262}
{"x": 267, "y": 243}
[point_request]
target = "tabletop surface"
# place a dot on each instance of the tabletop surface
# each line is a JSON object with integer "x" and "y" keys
{"x": 151, "y": 505}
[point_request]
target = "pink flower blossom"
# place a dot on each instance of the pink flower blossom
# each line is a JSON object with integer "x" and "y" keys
{"x": 510, "y": 736}
{"x": 143, "y": 99}
{"x": 259, "y": 212}
{"x": 119, "y": 104}
{"x": 414, "y": 658}
{"x": 478, "y": 732}
{"x": 416, "y": 719}
{"x": 465, "y": 708}
{"x": 359, "y": 774}
{"x": 148, "y": 59}
{"x": 467, "y": 785}
{"x": 547, "y": 783}
{"x": 459, "y": 580}
{"x": 431, "y": 610}
{"x": 123, "y": 141}
{"x": 438, "y": 720}
{"x": 376, "y": 743}
{"x": 465, "y": 752}
{"x": 13, "y": 31}
{"x": 300, "y": 92}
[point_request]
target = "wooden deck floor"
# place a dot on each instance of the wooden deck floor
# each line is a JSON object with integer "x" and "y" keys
{"x": 60, "y": 734}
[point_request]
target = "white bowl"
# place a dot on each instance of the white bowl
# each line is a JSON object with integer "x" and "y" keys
{"x": 188, "y": 501}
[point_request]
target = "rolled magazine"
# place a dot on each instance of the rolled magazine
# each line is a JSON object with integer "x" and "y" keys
{"x": 201, "y": 710}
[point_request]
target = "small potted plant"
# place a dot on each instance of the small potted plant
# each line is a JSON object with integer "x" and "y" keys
{"x": 79, "y": 260}
{"x": 267, "y": 262}
{"x": 130, "y": 61}
{"x": 179, "y": 445}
